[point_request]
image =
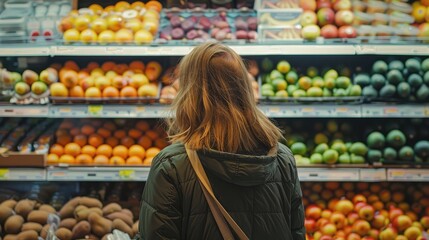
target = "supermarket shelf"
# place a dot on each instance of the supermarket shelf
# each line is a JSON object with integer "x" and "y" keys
{"x": 24, "y": 111}
{"x": 393, "y": 49}
{"x": 314, "y": 110}
{"x": 97, "y": 173}
{"x": 245, "y": 49}
{"x": 108, "y": 111}
{"x": 271, "y": 110}
{"x": 407, "y": 175}
{"x": 395, "y": 111}
{"x": 24, "y": 50}
{"x": 133, "y": 173}
{"x": 22, "y": 174}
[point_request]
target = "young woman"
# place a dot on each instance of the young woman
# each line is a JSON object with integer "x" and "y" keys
{"x": 252, "y": 175}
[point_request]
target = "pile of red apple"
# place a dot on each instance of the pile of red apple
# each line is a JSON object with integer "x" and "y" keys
{"x": 326, "y": 18}
{"x": 378, "y": 211}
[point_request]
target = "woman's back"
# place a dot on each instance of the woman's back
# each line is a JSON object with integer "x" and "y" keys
{"x": 264, "y": 200}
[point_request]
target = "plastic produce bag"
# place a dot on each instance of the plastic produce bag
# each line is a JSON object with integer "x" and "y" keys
{"x": 54, "y": 222}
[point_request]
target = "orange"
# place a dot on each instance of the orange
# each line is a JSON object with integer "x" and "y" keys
{"x": 81, "y": 140}
{"x": 155, "y": 5}
{"x": 127, "y": 142}
{"x": 112, "y": 141}
{"x": 128, "y": 92}
{"x": 72, "y": 149}
{"x": 61, "y": 132}
{"x": 104, "y": 132}
{"x": 152, "y": 134}
{"x": 135, "y": 133}
{"x": 76, "y": 92}
{"x": 116, "y": 160}
{"x": 75, "y": 131}
{"x": 148, "y": 161}
{"x": 120, "y": 151}
{"x": 101, "y": 160}
{"x": 120, "y": 68}
{"x": 72, "y": 65}
{"x": 137, "y": 5}
{"x": 121, "y": 6}
{"x": 134, "y": 160}
{"x": 66, "y": 159}
{"x": 110, "y": 92}
{"x": 84, "y": 159}
{"x": 137, "y": 66}
{"x": 152, "y": 152}
{"x": 57, "y": 149}
{"x": 108, "y": 66}
{"x": 105, "y": 150}
{"x": 136, "y": 150}
{"x": 145, "y": 142}
{"x": 110, "y": 126}
{"x": 109, "y": 9}
{"x": 52, "y": 159}
{"x": 64, "y": 139}
{"x": 120, "y": 134}
{"x": 89, "y": 150}
{"x": 142, "y": 125}
{"x": 87, "y": 129}
{"x": 95, "y": 140}
{"x": 92, "y": 65}
{"x": 96, "y": 9}
{"x": 161, "y": 143}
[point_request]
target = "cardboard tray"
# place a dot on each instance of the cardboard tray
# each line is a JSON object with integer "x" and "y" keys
{"x": 15, "y": 159}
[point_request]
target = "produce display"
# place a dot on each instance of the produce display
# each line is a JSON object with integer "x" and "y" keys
{"x": 394, "y": 145}
{"x": 282, "y": 81}
{"x": 122, "y": 23}
{"x": 420, "y": 12}
{"x": 106, "y": 142}
{"x": 81, "y": 217}
{"x": 329, "y": 19}
{"x": 30, "y": 135}
{"x": 366, "y": 210}
{"x": 401, "y": 80}
{"x": 28, "y": 87}
{"x": 202, "y": 26}
{"x": 108, "y": 81}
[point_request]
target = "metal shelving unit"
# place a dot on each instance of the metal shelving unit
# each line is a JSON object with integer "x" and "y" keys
{"x": 132, "y": 173}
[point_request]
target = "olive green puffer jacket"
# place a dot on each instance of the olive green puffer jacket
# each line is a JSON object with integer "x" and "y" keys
{"x": 261, "y": 193}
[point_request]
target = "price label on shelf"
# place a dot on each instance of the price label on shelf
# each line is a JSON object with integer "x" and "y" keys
{"x": 407, "y": 174}
{"x": 95, "y": 110}
{"x": 390, "y": 111}
{"x": 426, "y": 112}
{"x": 373, "y": 174}
{"x": 4, "y": 173}
{"x": 126, "y": 174}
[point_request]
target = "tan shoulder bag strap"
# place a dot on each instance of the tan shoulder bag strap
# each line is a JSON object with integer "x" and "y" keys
{"x": 221, "y": 216}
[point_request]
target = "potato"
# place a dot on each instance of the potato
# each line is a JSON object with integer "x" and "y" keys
{"x": 124, "y": 217}
{"x": 32, "y": 226}
{"x": 13, "y": 224}
{"x": 47, "y": 208}
{"x": 111, "y": 208}
{"x": 122, "y": 226}
{"x": 67, "y": 210}
{"x": 5, "y": 213}
{"x": 24, "y": 207}
{"x": 128, "y": 213}
{"x": 68, "y": 223}
{"x": 84, "y": 213}
{"x": 63, "y": 234}
{"x": 38, "y": 216}
{"x": 135, "y": 228}
{"x": 90, "y": 202}
{"x": 99, "y": 226}
{"x": 9, "y": 203}
{"x": 81, "y": 229}
{"x": 27, "y": 235}
{"x": 10, "y": 237}
{"x": 44, "y": 231}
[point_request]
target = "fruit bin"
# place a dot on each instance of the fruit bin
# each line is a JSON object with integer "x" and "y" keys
{"x": 194, "y": 26}
{"x": 111, "y": 100}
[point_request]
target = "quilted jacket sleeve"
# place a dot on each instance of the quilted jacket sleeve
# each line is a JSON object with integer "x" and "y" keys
{"x": 297, "y": 211}
{"x": 160, "y": 213}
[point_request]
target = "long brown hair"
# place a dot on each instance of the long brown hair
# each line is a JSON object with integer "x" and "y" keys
{"x": 215, "y": 107}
